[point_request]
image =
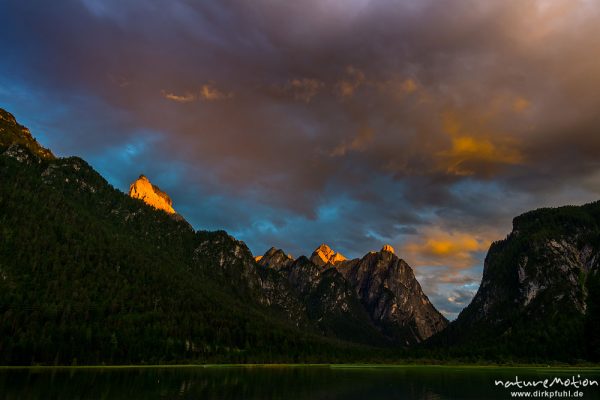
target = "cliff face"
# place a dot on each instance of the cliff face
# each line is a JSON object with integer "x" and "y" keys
{"x": 538, "y": 287}
{"x": 382, "y": 284}
{"x": 151, "y": 194}
{"x": 392, "y": 296}
{"x": 275, "y": 258}
{"x": 327, "y": 301}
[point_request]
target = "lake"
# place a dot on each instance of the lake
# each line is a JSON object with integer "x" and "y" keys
{"x": 281, "y": 382}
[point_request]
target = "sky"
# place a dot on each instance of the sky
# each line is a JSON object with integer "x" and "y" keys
{"x": 427, "y": 125}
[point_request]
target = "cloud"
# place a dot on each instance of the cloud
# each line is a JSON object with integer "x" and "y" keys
{"x": 521, "y": 105}
{"x": 210, "y": 93}
{"x": 352, "y": 80}
{"x": 409, "y": 86}
{"x": 184, "y": 98}
{"x": 357, "y": 123}
{"x": 358, "y": 143}
{"x": 303, "y": 89}
{"x": 449, "y": 290}
{"x": 468, "y": 150}
{"x": 476, "y": 149}
{"x": 458, "y": 250}
{"x": 461, "y": 297}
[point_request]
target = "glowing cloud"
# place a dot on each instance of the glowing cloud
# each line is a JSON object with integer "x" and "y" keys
{"x": 210, "y": 93}
{"x": 185, "y": 98}
{"x": 456, "y": 250}
{"x": 471, "y": 153}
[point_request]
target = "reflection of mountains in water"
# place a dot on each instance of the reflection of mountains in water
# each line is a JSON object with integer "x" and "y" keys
{"x": 417, "y": 382}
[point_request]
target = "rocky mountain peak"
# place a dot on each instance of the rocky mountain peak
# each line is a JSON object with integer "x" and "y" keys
{"x": 390, "y": 293}
{"x": 387, "y": 248}
{"x": 274, "y": 258}
{"x": 151, "y": 194}
{"x": 8, "y": 117}
{"x": 324, "y": 255}
{"x": 14, "y": 135}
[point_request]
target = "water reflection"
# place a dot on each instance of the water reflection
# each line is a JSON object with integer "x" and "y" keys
{"x": 316, "y": 382}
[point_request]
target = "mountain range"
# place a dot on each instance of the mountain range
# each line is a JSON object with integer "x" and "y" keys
{"x": 91, "y": 275}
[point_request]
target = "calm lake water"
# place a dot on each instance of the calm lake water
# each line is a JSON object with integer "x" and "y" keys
{"x": 312, "y": 382}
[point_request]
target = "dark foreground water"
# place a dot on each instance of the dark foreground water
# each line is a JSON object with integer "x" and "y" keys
{"x": 291, "y": 382}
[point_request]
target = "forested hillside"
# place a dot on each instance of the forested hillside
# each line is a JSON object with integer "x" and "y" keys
{"x": 90, "y": 275}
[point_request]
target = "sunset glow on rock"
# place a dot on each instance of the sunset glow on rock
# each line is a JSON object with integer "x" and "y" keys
{"x": 150, "y": 194}
{"x": 324, "y": 255}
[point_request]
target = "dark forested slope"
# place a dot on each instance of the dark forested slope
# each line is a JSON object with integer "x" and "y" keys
{"x": 539, "y": 295}
{"x": 90, "y": 275}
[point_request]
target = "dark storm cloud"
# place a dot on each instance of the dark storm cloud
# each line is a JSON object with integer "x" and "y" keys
{"x": 425, "y": 124}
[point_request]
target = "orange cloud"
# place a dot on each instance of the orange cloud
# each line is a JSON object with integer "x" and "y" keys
{"x": 185, "y": 98}
{"x": 469, "y": 151}
{"x": 209, "y": 92}
{"x": 454, "y": 249}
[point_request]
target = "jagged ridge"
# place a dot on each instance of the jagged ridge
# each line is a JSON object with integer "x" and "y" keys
{"x": 383, "y": 284}
{"x": 90, "y": 275}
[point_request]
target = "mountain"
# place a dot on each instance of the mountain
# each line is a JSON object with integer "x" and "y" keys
{"x": 379, "y": 290}
{"x": 91, "y": 275}
{"x": 387, "y": 287}
{"x": 540, "y": 291}
{"x": 323, "y": 255}
{"x": 16, "y": 136}
{"x": 325, "y": 297}
{"x": 151, "y": 194}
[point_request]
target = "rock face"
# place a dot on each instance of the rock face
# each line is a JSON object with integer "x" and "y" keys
{"x": 327, "y": 300}
{"x": 388, "y": 248}
{"x": 392, "y": 296}
{"x": 538, "y": 287}
{"x": 275, "y": 258}
{"x": 151, "y": 194}
{"x": 323, "y": 255}
{"x": 383, "y": 285}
